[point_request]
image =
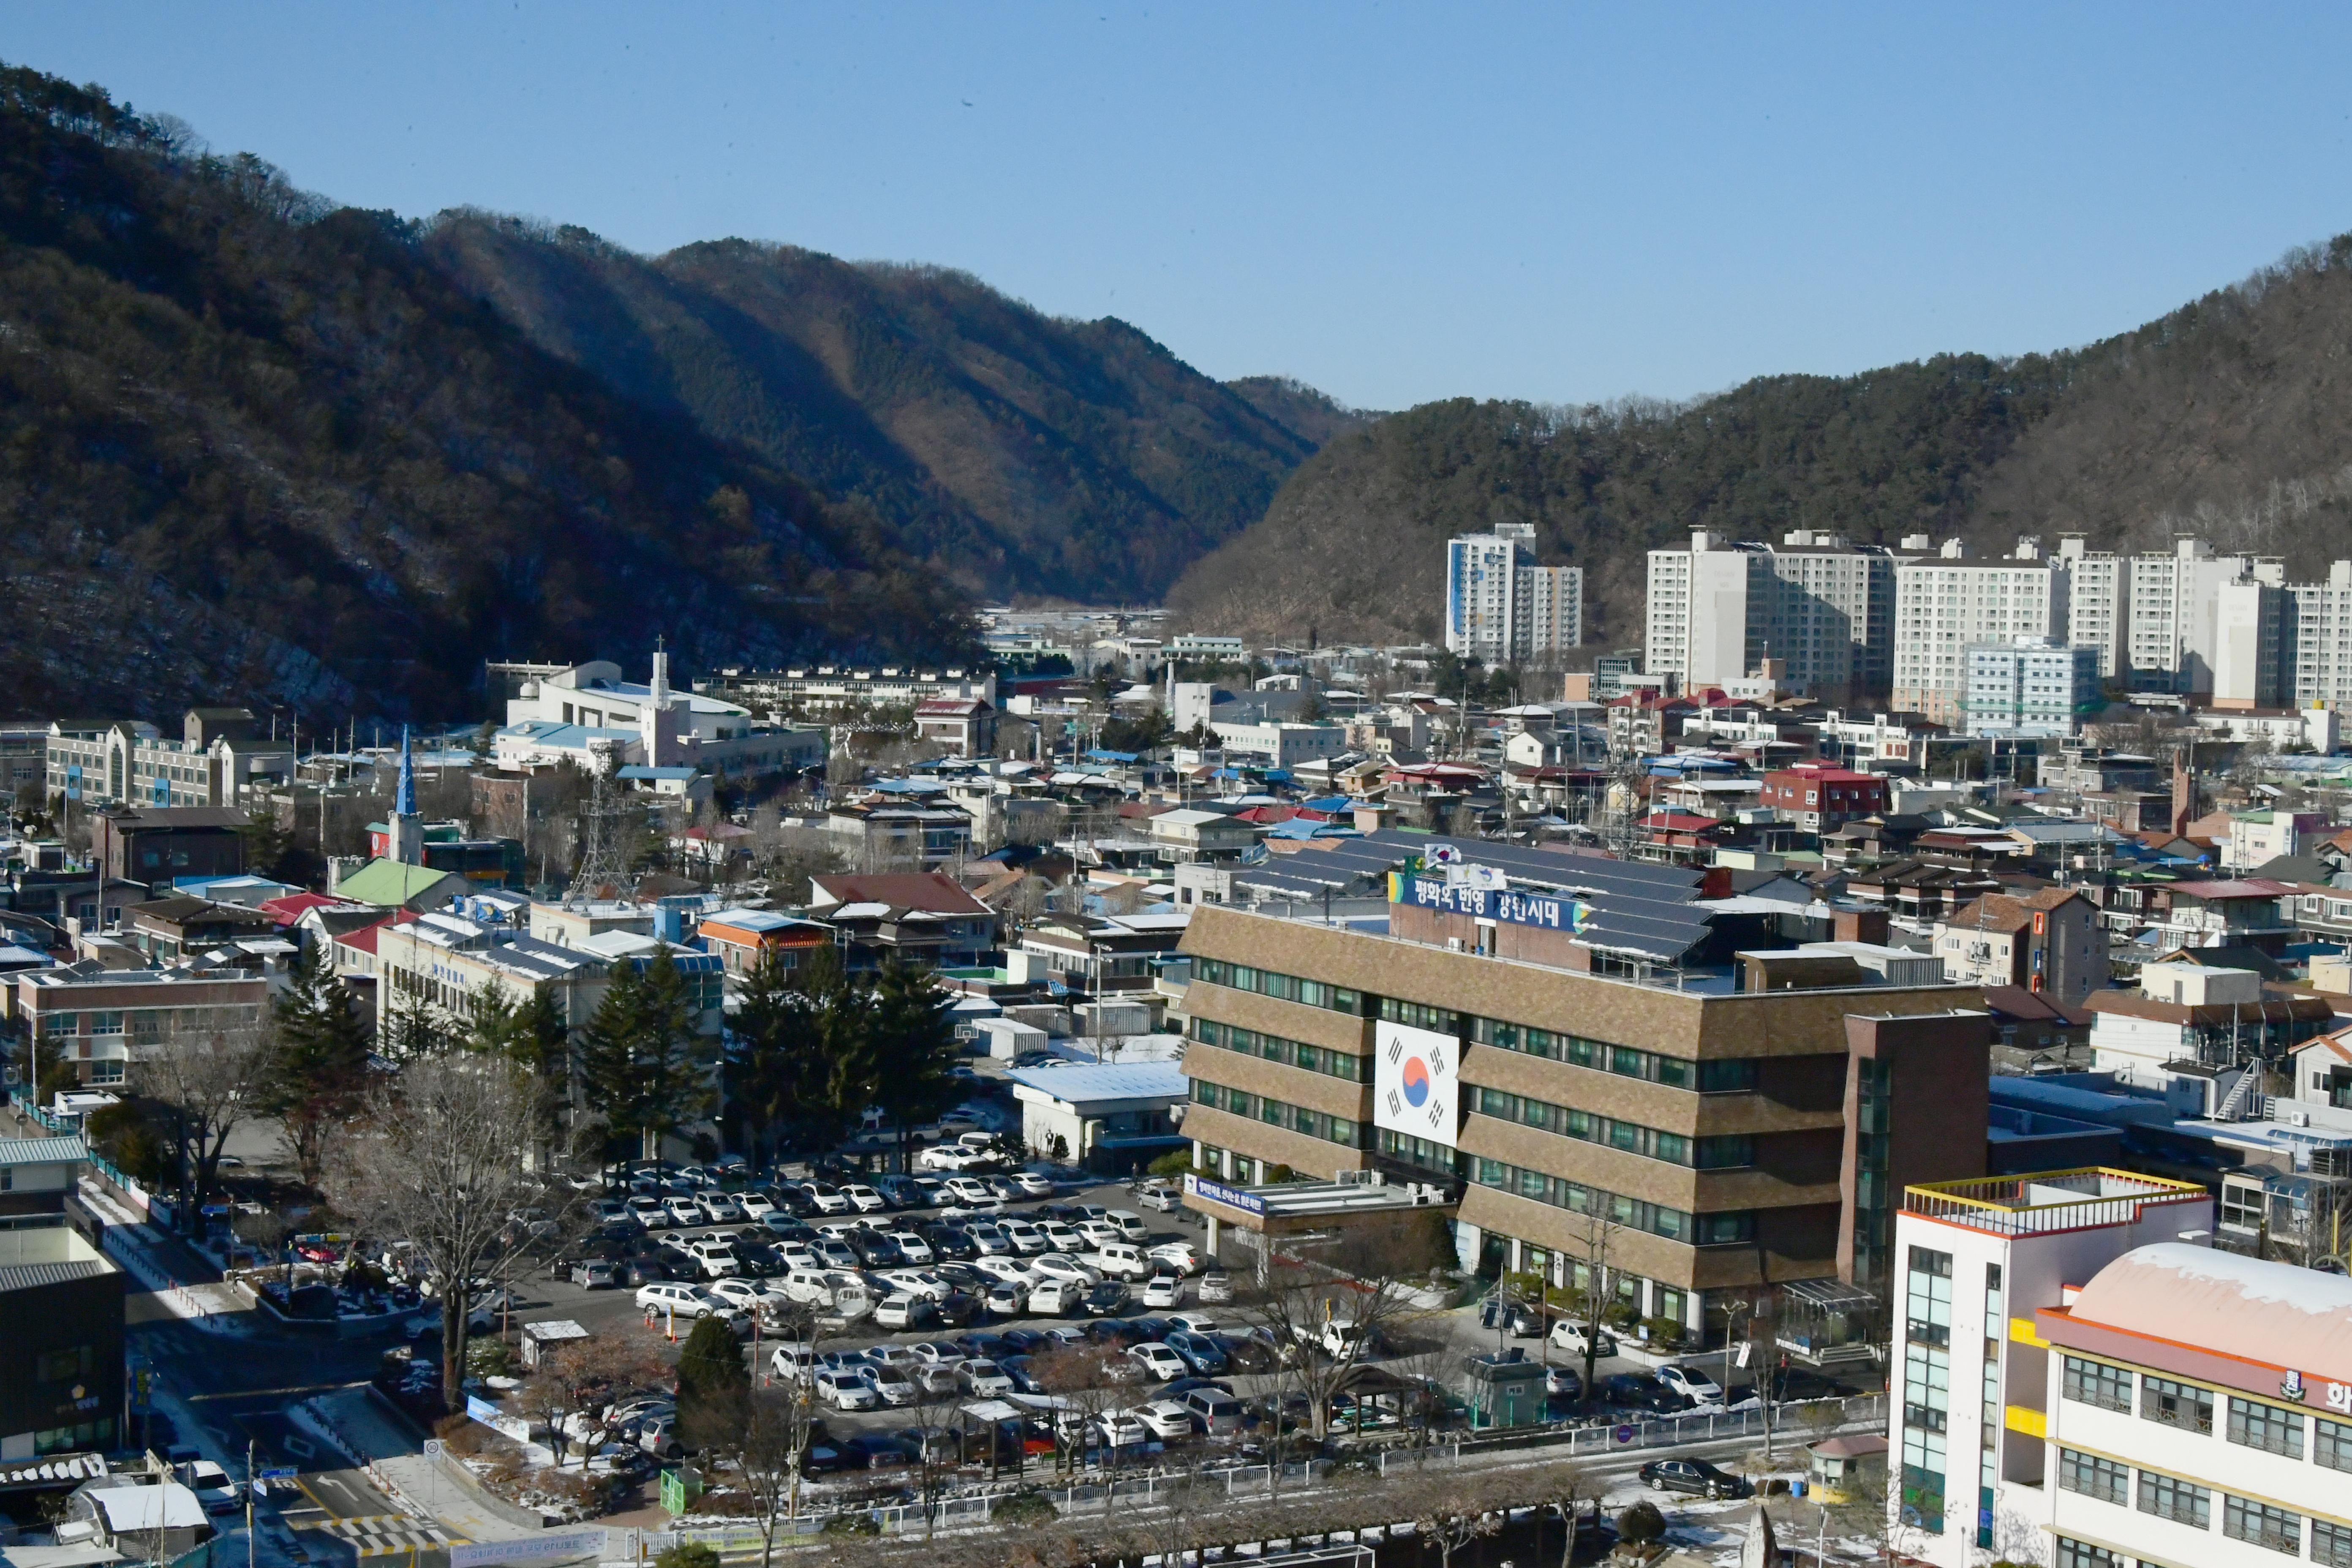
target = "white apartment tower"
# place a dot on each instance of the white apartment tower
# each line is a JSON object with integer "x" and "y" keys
{"x": 2174, "y": 601}
{"x": 1969, "y": 1388}
{"x": 2318, "y": 620}
{"x": 1946, "y": 604}
{"x": 2098, "y": 602}
{"x": 1501, "y": 607}
{"x": 1719, "y": 609}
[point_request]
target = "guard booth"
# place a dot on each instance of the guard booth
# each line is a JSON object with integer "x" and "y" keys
{"x": 1507, "y": 1389}
{"x": 1841, "y": 1469}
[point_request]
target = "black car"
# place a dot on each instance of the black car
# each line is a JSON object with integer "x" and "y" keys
{"x": 956, "y": 1308}
{"x": 1185, "y": 1386}
{"x": 984, "y": 1347}
{"x": 1640, "y": 1391}
{"x": 872, "y": 1451}
{"x": 1105, "y": 1298}
{"x": 1016, "y": 1367}
{"x": 950, "y": 1242}
{"x": 876, "y": 1250}
{"x": 651, "y": 1268}
{"x": 1248, "y": 1352}
{"x": 964, "y": 1276}
{"x": 1695, "y": 1477}
{"x": 1796, "y": 1383}
{"x": 786, "y": 1229}
{"x": 1027, "y": 1341}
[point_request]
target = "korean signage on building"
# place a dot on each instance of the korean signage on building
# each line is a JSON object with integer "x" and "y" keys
{"x": 1416, "y": 1089}
{"x": 1201, "y": 1187}
{"x": 1552, "y": 911}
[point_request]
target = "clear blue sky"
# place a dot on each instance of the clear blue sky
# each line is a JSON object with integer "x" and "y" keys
{"x": 1395, "y": 203}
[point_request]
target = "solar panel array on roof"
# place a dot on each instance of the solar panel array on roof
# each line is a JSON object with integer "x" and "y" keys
{"x": 1636, "y": 908}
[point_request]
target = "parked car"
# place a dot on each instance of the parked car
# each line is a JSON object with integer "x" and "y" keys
{"x": 1215, "y": 1289}
{"x": 1695, "y": 1477}
{"x": 1568, "y": 1334}
{"x": 1640, "y": 1391}
{"x": 1032, "y": 1184}
{"x": 1200, "y": 1353}
{"x": 1167, "y": 1418}
{"x": 984, "y": 1379}
{"x": 864, "y": 1199}
{"x": 1162, "y": 1364}
{"x": 893, "y": 1386}
{"x": 844, "y": 1389}
{"x": 1691, "y": 1383}
{"x": 901, "y": 1311}
{"x": 720, "y": 1208}
{"x": 1160, "y": 1195}
{"x": 596, "y": 1274}
{"x": 1563, "y": 1382}
{"x": 678, "y": 1301}
{"x": 1163, "y": 1290}
{"x": 1181, "y": 1255}
{"x": 1212, "y": 1409}
{"x": 1106, "y": 1299}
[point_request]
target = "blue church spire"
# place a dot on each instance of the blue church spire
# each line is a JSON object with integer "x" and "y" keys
{"x": 404, "y": 803}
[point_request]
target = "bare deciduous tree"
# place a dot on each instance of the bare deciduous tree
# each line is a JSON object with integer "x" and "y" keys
{"x": 1325, "y": 1304}
{"x": 436, "y": 1158}
{"x": 209, "y": 1075}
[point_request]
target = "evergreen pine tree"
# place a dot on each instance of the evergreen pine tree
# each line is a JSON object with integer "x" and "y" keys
{"x": 319, "y": 1067}
{"x": 642, "y": 1063}
{"x": 912, "y": 1049}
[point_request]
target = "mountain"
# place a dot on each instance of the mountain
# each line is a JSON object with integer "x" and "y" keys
{"x": 1016, "y": 453}
{"x": 255, "y": 448}
{"x": 2231, "y": 416}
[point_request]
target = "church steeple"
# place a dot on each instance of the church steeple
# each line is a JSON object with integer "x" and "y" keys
{"x": 407, "y": 825}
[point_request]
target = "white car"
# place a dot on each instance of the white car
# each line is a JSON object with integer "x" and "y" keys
{"x": 916, "y": 1282}
{"x": 936, "y": 1352}
{"x": 900, "y": 1356}
{"x": 1063, "y": 1266}
{"x": 864, "y": 1199}
{"x": 720, "y": 1208}
{"x": 792, "y": 1359}
{"x": 1216, "y": 1288}
{"x": 970, "y": 1190}
{"x": 1163, "y": 1290}
{"x": 1692, "y": 1384}
{"x": 828, "y": 1200}
{"x": 984, "y": 1379}
{"x": 912, "y": 1248}
{"x": 1120, "y": 1429}
{"x": 950, "y": 1157}
{"x": 682, "y": 1210}
{"x": 1130, "y": 1225}
{"x": 1052, "y": 1297}
{"x": 755, "y": 1205}
{"x": 742, "y": 1294}
{"x": 1160, "y": 1363}
{"x": 1180, "y": 1254}
{"x": 676, "y": 1300}
{"x": 1026, "y": 1238}
{"x": 1099, "y": 1233}
{"x": 897, "y": 1311}
{"x": 1032, "y": 1184}
{"x": 1194, "y": 1322}
{"x": 715, "y": 1260}
{"x": 846, "y": 1390}
{"x": 1566, "y": 1334}
{"x": 1004, "y": 1268}
{"x": 607, "y": 1211}
{"x": 1167, "y": 1418}
{"x": 1005, "y": 1298}
{"x": 1062, "y": 1237}
{"x": 649, "y": 1212}
{"x": 894, "y": 1386}
{"x": 935, "y": 1378}
{"x": 987, "y": 1240}
{"x": 1161, "y": 1196}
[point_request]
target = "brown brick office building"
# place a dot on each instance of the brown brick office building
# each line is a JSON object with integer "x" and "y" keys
{"x": 1707, "y": 1124}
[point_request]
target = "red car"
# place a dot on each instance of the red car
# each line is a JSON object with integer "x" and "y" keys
{"x": 315, "y": 1252}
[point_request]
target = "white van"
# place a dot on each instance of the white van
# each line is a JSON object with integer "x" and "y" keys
{"x": 1130, "y": 1224}
{"x": 1121, "y": 1260}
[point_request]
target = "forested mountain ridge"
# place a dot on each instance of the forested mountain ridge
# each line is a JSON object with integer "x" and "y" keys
{"x": 253, "y": 448}
{"x": 2231, "y": 416}
{"x": 1014, "y": 452}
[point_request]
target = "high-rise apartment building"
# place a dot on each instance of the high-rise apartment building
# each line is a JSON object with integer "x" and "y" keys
{"x": 1501, "y": 607}
{"x": 1946, "y": 604}
{"x": 1968, "y": 1397}
{"x": 1824, "y": 607}
{"x": 2250, "y": 632}
{"x": 2175, "y": 599}
{"x": 2318, "y": 623}
{"x": 2099, "y": 601}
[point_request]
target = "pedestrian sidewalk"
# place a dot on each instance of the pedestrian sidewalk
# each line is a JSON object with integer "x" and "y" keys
{"x": 422, "y": 1485}
{"x": 131, "y": 1242}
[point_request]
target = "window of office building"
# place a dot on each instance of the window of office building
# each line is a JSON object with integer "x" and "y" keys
{"x": 2331, "y": 1544}
{"x": 2267, "y": 1427}
{"x": 2181, "y": 1405}
{"x": 2183, "y": 1502}
{"x": 1927, "y": 1296}
{"x": 2331, "y": 1444}
{"x": 2095, "y": 1383}
{"x": 2261, "y": 1524}
{"x": 2092, "y": 1476}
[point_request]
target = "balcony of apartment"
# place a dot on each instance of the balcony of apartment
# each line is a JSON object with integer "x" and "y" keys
{"x": 2048, "y": 1202}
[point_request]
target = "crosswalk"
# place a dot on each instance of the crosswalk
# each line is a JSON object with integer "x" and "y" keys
{"x": 382, "y": 1534}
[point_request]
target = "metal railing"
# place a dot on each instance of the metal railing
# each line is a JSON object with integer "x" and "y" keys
{"x": 2000, "y": 1203}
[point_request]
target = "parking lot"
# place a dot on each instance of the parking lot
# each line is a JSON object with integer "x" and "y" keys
{"x": 1456, "y": 1333}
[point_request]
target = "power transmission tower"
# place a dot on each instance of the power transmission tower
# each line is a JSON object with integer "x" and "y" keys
{"x": 604, "y": 848}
